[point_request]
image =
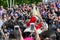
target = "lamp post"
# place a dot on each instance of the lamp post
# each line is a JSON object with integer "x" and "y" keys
{"x": 7, "y": 3}
{"x": 10, "y": 3}
{"x": 13, "y": 2}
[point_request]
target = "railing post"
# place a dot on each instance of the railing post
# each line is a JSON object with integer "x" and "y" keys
{"x": 10, "y": 3}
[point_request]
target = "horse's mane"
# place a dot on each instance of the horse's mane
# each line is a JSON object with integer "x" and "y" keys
{"x": 36, "y": 12}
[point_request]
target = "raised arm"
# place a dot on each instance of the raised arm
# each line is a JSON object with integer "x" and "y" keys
{"x": 21, "y": 37}
{"x": 37, "y": 35}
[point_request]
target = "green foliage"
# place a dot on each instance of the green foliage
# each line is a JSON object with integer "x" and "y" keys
{"x": 26, "y": 1}
{"x": 4, "y": 2}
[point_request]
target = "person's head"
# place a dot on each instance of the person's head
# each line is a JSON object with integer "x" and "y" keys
{"x": 16, "y": 15}
{"x": 10, "y": 9}
{"x": 48, "y": 11}
{"x": 4, "y": 17}
{"x": 49, "y": 34}
{"x": 59, "y": 19}
{"x": 40, "y": 3}
{"x": 59, "y": 9}
{"x": 1, "y": 7}
{"x": 47, "y": 38}
{"x": 15, "y": 6}
{"x": 53, "y": 11}
{"x": 12, "y": 35}
{"x": 58, "y": 29}
{"x": 5, "y": 31}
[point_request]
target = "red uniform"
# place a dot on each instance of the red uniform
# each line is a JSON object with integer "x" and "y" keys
{"x": 33, "y": 20}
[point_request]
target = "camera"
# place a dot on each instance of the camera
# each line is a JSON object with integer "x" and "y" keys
{"x": 16, "y": 27}
{"x": 32, "y": 26}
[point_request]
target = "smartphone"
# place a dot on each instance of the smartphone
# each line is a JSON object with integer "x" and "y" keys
{"x": 16, "y": 27}
{"x": 32, "y": 26}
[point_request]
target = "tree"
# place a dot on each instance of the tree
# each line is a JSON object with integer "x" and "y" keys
{"x": 4, "y": 2}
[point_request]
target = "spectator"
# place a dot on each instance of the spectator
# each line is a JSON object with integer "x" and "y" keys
{"x": 46, "y": 19}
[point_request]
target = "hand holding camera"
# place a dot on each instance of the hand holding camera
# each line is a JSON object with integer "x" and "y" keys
{"x": 32, "y": 25}
{"x": 16, "y": 27}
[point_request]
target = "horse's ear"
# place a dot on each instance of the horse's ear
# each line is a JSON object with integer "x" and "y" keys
{"x": 34, "y": 11}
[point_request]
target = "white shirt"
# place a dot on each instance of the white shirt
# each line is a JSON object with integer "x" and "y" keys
{"x": 1, "y": 11}
{"x": 1, "y": 23}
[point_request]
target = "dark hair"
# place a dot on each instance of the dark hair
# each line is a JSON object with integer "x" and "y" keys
{"x": 49, "y": 33}
{"x": 26, "y": 34}
{"x": 12, "y": 36}
{"x": 0, "y": 35}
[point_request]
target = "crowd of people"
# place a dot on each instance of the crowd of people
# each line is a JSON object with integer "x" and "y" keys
{"x": 15, "y": 22}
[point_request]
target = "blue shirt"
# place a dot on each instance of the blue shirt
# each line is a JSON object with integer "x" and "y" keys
{"x": 58, "y": 5}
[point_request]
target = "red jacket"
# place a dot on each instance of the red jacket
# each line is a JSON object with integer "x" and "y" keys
{"x": 33, "y": 20}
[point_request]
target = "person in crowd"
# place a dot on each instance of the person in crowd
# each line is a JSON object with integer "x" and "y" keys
{"x": 46, "y": 19}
